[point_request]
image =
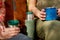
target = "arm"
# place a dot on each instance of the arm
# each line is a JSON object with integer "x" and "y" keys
{"x": 31, "y": 4}
{"x": 32, "y": 7}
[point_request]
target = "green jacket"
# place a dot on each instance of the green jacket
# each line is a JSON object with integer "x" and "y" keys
{"x": 48, "y": 3}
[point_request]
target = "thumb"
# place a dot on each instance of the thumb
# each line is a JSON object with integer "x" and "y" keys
{"x": 2, "y": 28}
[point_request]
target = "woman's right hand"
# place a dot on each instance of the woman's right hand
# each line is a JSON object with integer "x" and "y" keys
{"x": 41, "y": 14}
{"x": 9, "y": 32}
{"x": 32, "y": 7}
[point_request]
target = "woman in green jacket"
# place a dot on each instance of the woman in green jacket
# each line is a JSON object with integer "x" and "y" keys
{"x": 48, "y": 30}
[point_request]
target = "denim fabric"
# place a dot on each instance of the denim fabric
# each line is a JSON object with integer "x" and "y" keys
{"x": 20, "y": 37}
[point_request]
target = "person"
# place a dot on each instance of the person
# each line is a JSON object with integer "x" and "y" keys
{"x": 46, "y": 30}
{"x": 9, "y": 33}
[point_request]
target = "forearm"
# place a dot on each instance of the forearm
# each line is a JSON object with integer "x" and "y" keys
{"x": 32, "y": 6}
{"x": 34, "y": 9}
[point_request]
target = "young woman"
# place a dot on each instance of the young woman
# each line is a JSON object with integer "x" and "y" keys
{"x": 9, "y": 33}
{"x": 45, "y": 28}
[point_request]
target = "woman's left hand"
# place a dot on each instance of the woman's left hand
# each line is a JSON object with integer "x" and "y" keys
{"x": 59, "y": 12}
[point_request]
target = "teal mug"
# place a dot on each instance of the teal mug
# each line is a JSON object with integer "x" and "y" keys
{"x": 13, "y": 23}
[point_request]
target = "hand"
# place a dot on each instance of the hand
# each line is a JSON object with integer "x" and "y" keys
{"x": 9, "y": 32}
{"x": 59, "y": 12}
{"x": 41, "y": 14}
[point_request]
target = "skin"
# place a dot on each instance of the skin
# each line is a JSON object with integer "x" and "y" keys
{"x": 40, "y": 14}
{"x": 6, "y": 33}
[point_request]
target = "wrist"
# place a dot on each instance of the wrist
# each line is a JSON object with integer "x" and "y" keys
{"x": 35, "y": 10}
{"x": 1, "y": 38}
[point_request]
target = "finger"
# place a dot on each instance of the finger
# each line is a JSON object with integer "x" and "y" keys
{"x": 15, "y": 31}
{"x": 58, "y": 10}
{"x": 43, "y": 10}
{"x": 14, "y": 34}
{"x": 2, "y": 28}
{"x": 11, "y": 29}
{"x": 9, "y": 34}
{"x": 42, "y": 13}
{"x": 17, "y": 28}
{"x": 58, "y": 13}
{"x": 42, "y": 18}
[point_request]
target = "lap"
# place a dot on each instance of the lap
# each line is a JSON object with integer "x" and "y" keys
{"x": 39, "y": 29}
{"x": 20, "y": 37}
{"x": 44, "y": 29}
{"x": 52, "y": 30}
